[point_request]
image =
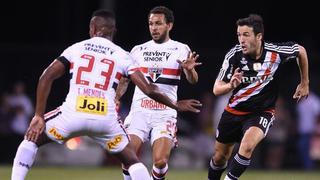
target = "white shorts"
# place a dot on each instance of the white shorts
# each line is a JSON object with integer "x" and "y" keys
{"x": 109, "y": 133}
{"x": 151, "y": 126}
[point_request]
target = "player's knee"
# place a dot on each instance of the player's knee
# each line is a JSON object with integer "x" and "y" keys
{"x": 247, "y": 148}
{"x": 160, "y": 162}
{"x": 220, "y": 159}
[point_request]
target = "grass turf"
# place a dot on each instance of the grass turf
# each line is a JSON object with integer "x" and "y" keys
{"x": 114, "y": 173}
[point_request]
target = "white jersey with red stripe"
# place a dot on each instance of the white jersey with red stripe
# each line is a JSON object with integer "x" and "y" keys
{"x": 158, "y": 62}
{"x": 96, "y": 66}
{"x": 258, "y": 90}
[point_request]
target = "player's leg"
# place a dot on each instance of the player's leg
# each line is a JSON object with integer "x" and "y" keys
{"x": 242, "y": 159}
{"x": 25, "y": 156}
{"x": 136, "y": 124}
{"x": 257, "y": 128}
{"x": 229, "y": 132}
{"x": 136, "y": 169}
{"x": 111, "y": 135}
{"x": 218, "y": 162}
{"x": 135, "y": 144}
{"x": 55, "y": 131}
{"x": 163, "y": 139}
{"x": 161, "y": 149}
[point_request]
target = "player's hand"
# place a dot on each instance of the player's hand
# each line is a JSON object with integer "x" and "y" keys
{"x": 118, "y": 104}
{"x": 189, "y": 105}
{"x": 302, "y": 92}
{"x": 236, "y": 78}
{"x": 36, "y": 127}
{"x": 190, "y": 62}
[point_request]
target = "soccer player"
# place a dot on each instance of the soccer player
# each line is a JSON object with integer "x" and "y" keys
{"x": 96, "y": 66}
{"x": 162, "y": 61}
{"x": 250, "y": 71}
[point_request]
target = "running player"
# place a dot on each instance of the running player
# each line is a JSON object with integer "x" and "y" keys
{"x": 250, "y": 71}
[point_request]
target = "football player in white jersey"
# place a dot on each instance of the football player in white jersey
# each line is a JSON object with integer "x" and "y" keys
{"x": 162, "y": 61}
{"x": 96, "y": 66}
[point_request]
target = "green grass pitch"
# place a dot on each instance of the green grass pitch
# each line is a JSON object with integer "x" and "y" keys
{"x": 114, "y": 173}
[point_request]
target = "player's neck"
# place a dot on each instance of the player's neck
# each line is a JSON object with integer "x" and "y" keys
{"x": 107, "y": 37}
{"x": 259, "y": 51}
{"x": 164, "y": 41}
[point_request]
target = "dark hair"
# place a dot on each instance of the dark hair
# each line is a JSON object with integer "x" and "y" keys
{"x": 103, "y": 13}
{"x": 255, "y": 21}
{"x": 168, "y": 14}
{"x": 107, "y": 17}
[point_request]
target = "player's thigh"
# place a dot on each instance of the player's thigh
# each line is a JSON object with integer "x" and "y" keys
{"x": 161, "y": 149}
{"x": 262, "y": 121}
{"x": 56, "y": 126}
{"x": 113, "y": 138}
{"x": 163, "y": 126}
{"x": 128, "y": 155}
{"x": 229, "y": 128}
{"x": 251, "y": 138}
{"x": 136, "y": 123}
{"x": 135, "y": 143}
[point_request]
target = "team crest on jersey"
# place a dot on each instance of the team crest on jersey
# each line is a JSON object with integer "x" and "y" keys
{"x": 154, "y": 73}
{"x": 257, "y": 66}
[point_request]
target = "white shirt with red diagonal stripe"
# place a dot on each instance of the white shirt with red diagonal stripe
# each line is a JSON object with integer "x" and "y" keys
{"x": 158, "y": 62}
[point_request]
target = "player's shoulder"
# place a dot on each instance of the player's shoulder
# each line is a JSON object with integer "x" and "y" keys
{"x": 77, "y": 44}
{"x": 281, "y": 46}
{"x": 177, "y": 43}
{"x": 120, "y": 50}
{"x": 234, "y": 51}
{"x": 179, "y": 46}
{"x": 141, "y": 47}
{"x": 236, "y": 48}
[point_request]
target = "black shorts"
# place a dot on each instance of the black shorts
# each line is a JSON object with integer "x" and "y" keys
{"x": 232, "y": 127}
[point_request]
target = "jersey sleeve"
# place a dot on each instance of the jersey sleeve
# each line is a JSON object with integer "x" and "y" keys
{"x": 288, "y": 51}
{"x": 67, "y": 53}
{"x": 228, "y": 66}
{"x": 130, "y": 65}
{"x": 184, "y": 52}
{"x": 66, "y": 56}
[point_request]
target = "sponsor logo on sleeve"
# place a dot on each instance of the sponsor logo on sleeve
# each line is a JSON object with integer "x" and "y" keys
{"x": 114, "y": 142}
{"x": 55, "y": 134}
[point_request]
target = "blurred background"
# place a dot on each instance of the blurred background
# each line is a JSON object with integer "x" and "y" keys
{"x": 33, "y": 33}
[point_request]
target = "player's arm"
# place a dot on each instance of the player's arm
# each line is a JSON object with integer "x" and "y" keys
{"x": 302, "y": 90}
{"x": 121, "y": 89}
{"x": 55, "y": 70}
{"x": 153, "y": 92}
{"x": 221, "y": 87}
{"x": 188, "y": 67}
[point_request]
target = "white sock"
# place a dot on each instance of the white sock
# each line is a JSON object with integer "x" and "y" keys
{"x": 139, "y": 172}
{"x": 23, "y": 160}
{"x": 159, "y": 173}
{"x": 125, "y": 174}
{"x": 227, "y": 177}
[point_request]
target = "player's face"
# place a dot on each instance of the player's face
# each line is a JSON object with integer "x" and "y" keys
{"x": 249, "y": 42}
{"x": 158, "y": 28}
